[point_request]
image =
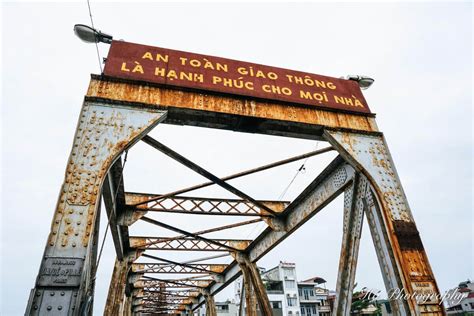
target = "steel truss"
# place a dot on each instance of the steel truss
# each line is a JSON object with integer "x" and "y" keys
{"x": 115, "y": 115}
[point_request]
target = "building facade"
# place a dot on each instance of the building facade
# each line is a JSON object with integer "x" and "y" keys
{"x": 227, "y": 308}
{"x": 460, "y": 300}
{"x": 287, "y": 296}
{"x": 313, "y": 298}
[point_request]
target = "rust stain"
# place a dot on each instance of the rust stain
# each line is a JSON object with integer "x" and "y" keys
{"x": 165, "y": 97}
{"x": 239, "y": 244}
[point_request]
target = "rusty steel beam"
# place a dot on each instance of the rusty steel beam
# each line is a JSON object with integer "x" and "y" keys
{"x": 103, "y": 133}
{"x": 181, "y": 294}
{"x": 113, "y": 195}
{"x": 352, "y": 231}
{"x": 402, "y": 257}
{"x": 203, "y": 172}
{"x": 188, "y": 244}
{"x": 193, "y": 267}
{"x": 210, "y": 303}
{"x": 178, "y": 268}
{"x": 227, "y": 112}
{"x": 332, "y": 181}
{"x": 198, "y": 206}
{"x": 231, "y": 177}
{"x": 188, "y": 234}
{"x": 254, "y": 286}
{"x": 149, "y": 282}
{"x": 212, "y": 230}
{"x": 184, "y": 264}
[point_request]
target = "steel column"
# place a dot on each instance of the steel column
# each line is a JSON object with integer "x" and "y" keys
{"x": 250, "y": 303}
{"x": 259, "y": 290}
{"x": 398, "y": 245}
{"x": 116, "y": 295}
{"x": 210, "y": 304}
{"x": 103, "y": 133}
{"x": 352, "y": 230}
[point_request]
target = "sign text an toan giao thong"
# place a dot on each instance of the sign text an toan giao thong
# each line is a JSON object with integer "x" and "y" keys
{"x": 181, "y": 69}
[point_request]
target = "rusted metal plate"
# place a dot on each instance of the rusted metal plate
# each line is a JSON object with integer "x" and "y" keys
{"x": 182, "y": 69}
{"x": 227, "y": 109}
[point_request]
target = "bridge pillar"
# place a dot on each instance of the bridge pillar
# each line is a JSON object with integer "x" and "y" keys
{"x": 64, "y": 285}
{"x": 401, "y": 255}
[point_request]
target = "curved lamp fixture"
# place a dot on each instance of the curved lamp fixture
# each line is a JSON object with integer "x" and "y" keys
{"x": 363, "y": 81}
{"x": 90, "y": 35}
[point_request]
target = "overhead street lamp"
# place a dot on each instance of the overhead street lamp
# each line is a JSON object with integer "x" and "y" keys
{"x": 91, "y": 35}
{"x": 363, "y": 81}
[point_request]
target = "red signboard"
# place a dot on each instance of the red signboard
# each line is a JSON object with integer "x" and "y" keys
{"x": 181, "y": 69}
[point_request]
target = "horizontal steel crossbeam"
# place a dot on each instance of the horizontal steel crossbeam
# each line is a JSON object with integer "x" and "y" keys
{"x": 203, "y": 206}
{"x": 158, "y": 284}
{"x": 187, "y": 244}
{"x": 176, "y": 268}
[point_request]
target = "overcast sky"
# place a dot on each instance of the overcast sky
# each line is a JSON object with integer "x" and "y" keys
{"x": 418, "y": 53}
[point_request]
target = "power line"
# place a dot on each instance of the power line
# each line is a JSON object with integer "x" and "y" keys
{"x": 95, "y": 34}
{"x": 301, "y": 169}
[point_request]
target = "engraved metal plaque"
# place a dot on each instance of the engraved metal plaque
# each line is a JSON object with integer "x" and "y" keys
{"x": 61, "y": 272}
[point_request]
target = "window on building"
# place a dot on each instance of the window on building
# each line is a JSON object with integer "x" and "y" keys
{"x": 313, "y": 309}
{"x": 289, "y": 273}
{"x": 302, "y": 311}
{"x": 291, "y": 301}
{"x": 290, "y": 284}
{"x": 306, "y": 293}
{"x": 276, "y": 304}
{"x": 290, "y": 313}
{"x": 223, "y": 307}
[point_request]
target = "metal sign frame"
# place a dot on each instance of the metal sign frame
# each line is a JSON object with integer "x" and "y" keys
{"x": 117, "y": 113}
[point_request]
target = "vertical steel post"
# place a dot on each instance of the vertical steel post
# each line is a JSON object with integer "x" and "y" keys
{"x": 103, "y": 132}
{"x": 253, "y": 286}
{"x": 353, "y": 219}
{"x": 210, "y": 304}
{"x": 250, "y": 303}
{"x": 407, "y": 274}
{"x": 116, "y": 295}
{"x": 259, "y": 289}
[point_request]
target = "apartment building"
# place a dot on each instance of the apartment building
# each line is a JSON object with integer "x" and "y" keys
{"x": 287, "y": 296}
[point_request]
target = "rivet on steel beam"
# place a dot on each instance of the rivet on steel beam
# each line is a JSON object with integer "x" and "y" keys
{"x": 71, "y": 211}
{"x": 78, "y": 223}
{"x": 35, "y": 307}
{"x": 49, "y": 308}
{"x": 60, "y": 307}
{"x": 51, "y": 243}
{"x": 65, "y": 233}
{"x": 51, "y": 293}
{"x": 74, "y": 244}
{"x": 38, "y": 294}
{"x": 54, "y": 232}
{"x": 62, "y": 293}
